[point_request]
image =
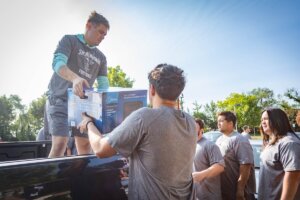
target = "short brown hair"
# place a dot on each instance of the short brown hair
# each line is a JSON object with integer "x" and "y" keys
{"x": 200, "y": 123}
{"x": 245, "y": 127}
{"x": 168, "y": 81}
{"x": 97, "y": 19}
{"x": 229, "y": 116}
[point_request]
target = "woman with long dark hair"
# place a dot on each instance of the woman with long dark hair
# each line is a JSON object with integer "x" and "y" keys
{"x": 280, "y": 167}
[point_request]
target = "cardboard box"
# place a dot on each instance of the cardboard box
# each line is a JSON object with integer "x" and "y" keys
{"x": 109, "y": 107}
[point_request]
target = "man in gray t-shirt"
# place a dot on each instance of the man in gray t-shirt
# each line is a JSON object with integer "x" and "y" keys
{"x": 209, "y": 164}
{"x": 77, "y": 63}
{"x": 246, "y": 132}
{"x": 160, "y": 141}
{"x": 238, "y": 179}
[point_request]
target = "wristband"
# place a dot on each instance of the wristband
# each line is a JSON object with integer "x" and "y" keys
{"x": 86, "y": 126}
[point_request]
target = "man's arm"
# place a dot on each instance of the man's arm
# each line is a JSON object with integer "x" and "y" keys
{"x": 100, "y": 145}
{"x": 103, "y": 82}
{"x": 78, "y": 82}
{"x": 212, "y": 171}
{"x": 290, "y": 185}
{"x": 242, "y": 181}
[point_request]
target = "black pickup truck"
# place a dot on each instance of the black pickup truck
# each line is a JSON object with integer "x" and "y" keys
{"x": 26, "y": 173}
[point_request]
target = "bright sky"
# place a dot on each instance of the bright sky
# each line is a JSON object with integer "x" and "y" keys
{"x": 223, "y": 46}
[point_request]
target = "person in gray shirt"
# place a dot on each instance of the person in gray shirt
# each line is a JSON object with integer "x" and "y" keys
{"x": 238, "y": 179}
{"x": 77, "y": 63}
{"x": 160, "y": 141}
{"x": 208, "y": 164}
{"x": 246, "y": 132}
{"x": 279, "y": 175}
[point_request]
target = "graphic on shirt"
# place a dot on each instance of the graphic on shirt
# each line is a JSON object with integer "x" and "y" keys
{"x": 88, "y": 61}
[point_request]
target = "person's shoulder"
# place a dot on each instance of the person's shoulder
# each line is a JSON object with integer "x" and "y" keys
{"x": 207, "y": 143}
{"x": 146, "y": 115}
{"x": 288, "y": 144}
{"x": 70, "y": 37}
{"x": 99, "y": 53}
{"x": 142, "y": 112}
{"x": 187, "y": 116}
{"x": 239, "y": 138}
{"x": 289, "y": 140}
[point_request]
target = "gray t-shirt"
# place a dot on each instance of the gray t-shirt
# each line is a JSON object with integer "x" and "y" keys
{"x": 87, "y": 62}
{"x": 247, "y": 135}
{"x": 283, "y": 156}
{"x": 161, "y": 144}
{"x": 236, "y": 150}
{"x": 207, "y": 154}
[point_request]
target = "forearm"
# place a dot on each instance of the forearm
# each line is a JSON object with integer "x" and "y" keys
{"x": 67, "y": 74}
{"x": 99, "y": 144}
{"x": 244, "y": 176}
{"x": 212, "y": 171}
{"x": 290, "y": 185}
{"x": 94, "y": 137}
{"x": 77, "y": 82}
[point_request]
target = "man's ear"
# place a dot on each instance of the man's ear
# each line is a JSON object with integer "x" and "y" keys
{"x": 152, "y": 90}
{"x": 88, "y": 25}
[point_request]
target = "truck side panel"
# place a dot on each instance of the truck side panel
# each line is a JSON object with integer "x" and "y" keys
{"x": 77, "y": 177}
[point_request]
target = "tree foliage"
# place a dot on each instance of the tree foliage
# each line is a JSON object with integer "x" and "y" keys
{"x": 18, "y": 122}
{"x": 28, "y": 124}
{"x": 197, "y": 113}
{"x": 293, "y": 94}
{"x": 118, "y": 78}
{"x": 7, "y": 115}
{"x": 211, "y": 110}
{"x": 208, "y": 115}
{"x": 264, "y": 96}
{"x": 245, "y": 107}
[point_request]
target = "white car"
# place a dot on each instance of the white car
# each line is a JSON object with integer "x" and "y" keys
{"x": 257, "y": 148}
{"x": 212, "y": 135}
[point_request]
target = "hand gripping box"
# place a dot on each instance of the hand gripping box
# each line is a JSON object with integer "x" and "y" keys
{"x": 109, "y": 107}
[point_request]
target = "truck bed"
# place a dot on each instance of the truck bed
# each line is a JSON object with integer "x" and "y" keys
{"x": 74, "y": 177}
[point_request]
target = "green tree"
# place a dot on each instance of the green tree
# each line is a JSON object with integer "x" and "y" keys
{"x": 28, "y": 122}
{"x": 245, "y": 107}
{"x": 265, "y": 97}
{"x": 35, "y": 114}
{"x": 211, "y": 109}
{"x": 118, "y": 78}
{"x": 10, "y": 109}
{"x": 197, "y": 113}
{"x": 6, "y": 117}
{"x": 209, "y": 115}
{"x": 292, "y": 108}
{"x": 293, "y": 94}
